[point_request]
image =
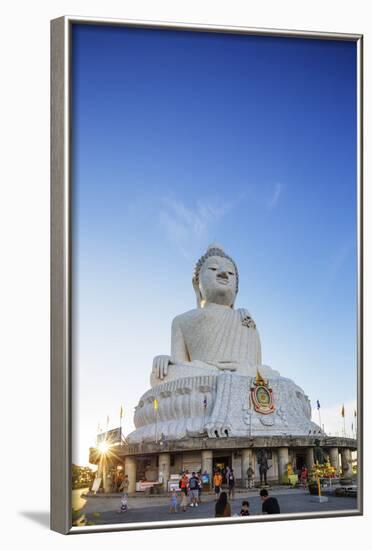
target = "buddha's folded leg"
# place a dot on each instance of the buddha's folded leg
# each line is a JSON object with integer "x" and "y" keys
{"x": 184, "y": 370}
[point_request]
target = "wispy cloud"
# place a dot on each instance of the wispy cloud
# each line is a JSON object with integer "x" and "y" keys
{"x": 190, "y": 225}
{"x": 338, "y": 258}
{"x": 277, "y": 191}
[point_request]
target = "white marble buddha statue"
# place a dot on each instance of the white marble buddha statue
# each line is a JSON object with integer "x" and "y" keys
{"x": 214, "y": 337}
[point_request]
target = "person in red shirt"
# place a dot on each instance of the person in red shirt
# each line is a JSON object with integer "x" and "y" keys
{"x": 303, "y": 476}
{"x": 184, "y": 485}
{"x": 217, "y": 482}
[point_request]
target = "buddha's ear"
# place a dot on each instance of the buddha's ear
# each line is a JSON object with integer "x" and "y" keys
{"x": 198, "y": 295}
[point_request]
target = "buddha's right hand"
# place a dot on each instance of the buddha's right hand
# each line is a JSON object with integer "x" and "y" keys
{"x": 160, "y": 366}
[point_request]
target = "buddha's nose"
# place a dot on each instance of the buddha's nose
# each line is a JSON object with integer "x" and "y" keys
{"x": 223, "y": 275}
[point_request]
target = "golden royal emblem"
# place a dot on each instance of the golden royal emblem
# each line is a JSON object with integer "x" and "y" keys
{"x": 262, "y": 395}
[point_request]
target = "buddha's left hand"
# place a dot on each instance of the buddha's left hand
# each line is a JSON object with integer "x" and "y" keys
{"x": 226, "y": 365}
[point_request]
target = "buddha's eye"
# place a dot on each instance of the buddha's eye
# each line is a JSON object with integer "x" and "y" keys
{"x": 213, "y": 268}
{"x": 231, "y": 273}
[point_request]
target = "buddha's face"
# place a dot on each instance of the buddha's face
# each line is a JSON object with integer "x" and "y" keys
{"x": 217, "y": 281}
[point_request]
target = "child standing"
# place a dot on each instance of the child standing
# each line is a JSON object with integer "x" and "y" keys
{"x": 245, "y": 508}
{"x": 124, "y": 504}
{"x": 173, "y": 502}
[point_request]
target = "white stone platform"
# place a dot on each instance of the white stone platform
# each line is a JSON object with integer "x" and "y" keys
{"x": 182, "y": 412}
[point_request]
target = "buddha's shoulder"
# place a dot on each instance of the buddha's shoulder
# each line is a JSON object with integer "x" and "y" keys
{"x": 189, "y": 316}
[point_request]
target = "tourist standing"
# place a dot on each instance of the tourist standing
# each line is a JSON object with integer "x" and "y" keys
{"x": 194, "y": 489}
{"x": 223, "y": 508}
{"x": 200, "y": 487}
{"x": 184, "y": 483}
{"x": 244, "y": 511}
{"x": 231, "y": 484}
{"x": 270, "y": 505}
{"x": 303, "y": 476}
{"x": 184, "y": 501}
{"x": 250, "y": 475}
{"x": 226, "y": 475}
{"x": 124, "y": 485}
{"x": 217, "y": 482}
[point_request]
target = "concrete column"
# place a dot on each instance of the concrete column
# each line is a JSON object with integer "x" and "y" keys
{"x": 164, "y": 469}
{"x": 247, "y": 460}
{"x": 130, "y": 469}
{"x": 207, "y": 463}
{"x": 106, "y": 480}
{"x": 346, "y": 462}
{"x": 282, "y": 463}
{"x": 103, "y": 473}
{"x": 334, "y": 458}
{"x": 309, "y": 458}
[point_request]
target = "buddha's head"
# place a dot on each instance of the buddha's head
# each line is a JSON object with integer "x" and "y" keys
{"x": 216, "y": 278}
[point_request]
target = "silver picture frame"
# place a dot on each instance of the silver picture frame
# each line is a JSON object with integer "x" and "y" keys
{"x": 61, "y": 266}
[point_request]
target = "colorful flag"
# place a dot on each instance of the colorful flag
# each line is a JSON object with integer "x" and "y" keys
{"x": 317, "y": 404}
{"x": 205, "y": 402}
{"x": 343, "y": 412}
{"x": 156, "y": 404}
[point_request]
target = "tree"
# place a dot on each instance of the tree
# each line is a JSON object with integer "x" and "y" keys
{"x": 82, "y": 476}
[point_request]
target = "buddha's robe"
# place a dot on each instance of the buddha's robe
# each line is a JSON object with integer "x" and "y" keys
{"x": 215, "y": 335}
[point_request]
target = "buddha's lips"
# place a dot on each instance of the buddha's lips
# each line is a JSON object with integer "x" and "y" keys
{"x": 223, "y": 281}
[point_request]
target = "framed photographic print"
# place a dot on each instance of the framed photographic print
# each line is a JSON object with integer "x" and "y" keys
{"x": 206, "y": 275}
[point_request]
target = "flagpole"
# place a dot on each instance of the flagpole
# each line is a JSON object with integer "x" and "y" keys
{"x": 204, "y": 407}
{"x": 320, "y": 420}
{"x": 156, "y": 404}
{"x": 343, "y": 417}
{"x": 250, "y": 415}
{"x": 121, "y": 429}
{"x": 356, "y": 424}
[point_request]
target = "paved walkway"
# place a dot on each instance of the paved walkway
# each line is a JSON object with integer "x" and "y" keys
{"x": 101, "y": 510}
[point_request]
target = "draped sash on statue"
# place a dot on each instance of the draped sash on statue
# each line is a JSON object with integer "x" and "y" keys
{"x": 216, "y": 334}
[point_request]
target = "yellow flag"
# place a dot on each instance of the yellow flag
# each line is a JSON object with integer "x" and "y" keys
{"x": 343, "y": 412}
{"x": 156, "y": 404}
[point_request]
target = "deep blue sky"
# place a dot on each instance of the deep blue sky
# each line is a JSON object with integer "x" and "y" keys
{"x": 183, "y": 138}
